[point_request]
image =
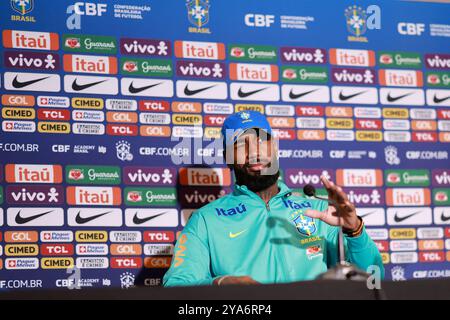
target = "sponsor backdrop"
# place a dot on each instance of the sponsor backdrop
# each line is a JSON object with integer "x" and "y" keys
{"x": 100, "y": 102}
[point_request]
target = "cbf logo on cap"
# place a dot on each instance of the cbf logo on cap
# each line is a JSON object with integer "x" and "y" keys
{"x": 237, "y": 123}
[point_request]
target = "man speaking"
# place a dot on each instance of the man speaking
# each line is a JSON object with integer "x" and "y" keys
{"x": 262, "y": 232}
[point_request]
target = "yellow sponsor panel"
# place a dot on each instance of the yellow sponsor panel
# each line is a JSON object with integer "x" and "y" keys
{"x": 403, "y": 233}
{"x": 57, "y": 263}
{"x": 254, "y": 107}
{"x": 396, "y": 113}
{"x": 187, "y": 119}
{"x": 91, "y": 236}
{"x": 369, "y": 136}
{"x": 212, "y": 132}
{"x": 87, "y": 103}
{"x": 18, "y": 113}
{"x": 385, "y": 258}
{"x": 54, "y": 127}
{"x": 339, "y": 123}
{"x": 21, "y": 250}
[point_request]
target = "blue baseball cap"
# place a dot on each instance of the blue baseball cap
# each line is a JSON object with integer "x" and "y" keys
{"x": 239, "y": 122}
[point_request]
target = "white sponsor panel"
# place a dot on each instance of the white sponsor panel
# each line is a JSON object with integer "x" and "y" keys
{"x": 255, "y": 91}
{"x": 408, "y": 196}
{"x": 92, "y": 263}
{"x": 404, "y": 257}
{"x": 404, "y": 97}
{"x": 447, "y": 244}
{"x": 378, "y": 234}
{"x": 18, "y": 126}
{"x": 218, "y": 108}
{"x": 395, "y": 124}
{"x": 154, "y": 118}
{"x": 88, "y": 128}
{"x": 121, "y": 105}
{"x": 158, "y": 249}
{"x": 91, "y": 85}
{"x": 352, "y": 95}
{"x": 1, "y": 250}
{"x": 146, "y": 87}
{"x": 444, "y": 125}
{"x": 280, "y": 110}
{"x": 305, "y": 93}
{"x": 21, "y": 263}
{"x": 36, "y": 217}
{"x": 1, "y": 217}
{"x": 340, "y": 135}
{"x": 372, "y": 216}
{"x": 422, "y": 114}
{"x": 88, "y": 115}
{"x": 56, "y": 236}
{"x": 53, "y": 102}
{"x": 310, "y": 123}
{"x": 48, "y": 82}
{"x": 94, "y": 217}
{"x": 91, "y": 249}
{"x": 430, "y": 233}
{"x": 403, "y": 245}
{"x": 397, "y": 136}
{"x": 441, "y": 215}
{"x": 369, "y": 113}
{"x": 162, "y": 217}
{"x": 438, "y": 98}
{"x": 187, "y": 132}
{"x": 202, "y": 90}
{"x": 409, "y": 216}
{"x": 185, "y": 215}
{"x": 125, "y": 236}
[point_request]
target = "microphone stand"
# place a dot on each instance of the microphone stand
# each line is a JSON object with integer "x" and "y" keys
{"x": 343, "y": 270}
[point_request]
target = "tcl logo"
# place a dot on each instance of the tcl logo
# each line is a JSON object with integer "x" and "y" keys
{"x": 57, "y": 249}
{"x": 368, "y": 124}
{"x": 159, "y": 236}
{"x": 50, "y": 114}
{"x": 211, "y": 120}
{"x": 432, "y": 256}
{"x": 382, "y": 246}
{"x": 309, "y": 111}
{"x": 259, "y": 20}
{"x": 424, "y": 137}
{"x": 154, "y": 105}
{"x": 125, "y": 263}
{"x": 410, "y": 29}
{"x": 284, "y": 134}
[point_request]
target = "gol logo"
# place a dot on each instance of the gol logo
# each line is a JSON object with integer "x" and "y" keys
{"x": 188, "y": 107}
{"x": 16, "y": 100}
{"x": 157, "y": 262}
{"x": 21, "y": 236}
{"x": 155, "y": 131}
{"x": 126, "y": 249}
{"x": 311, "y": 135}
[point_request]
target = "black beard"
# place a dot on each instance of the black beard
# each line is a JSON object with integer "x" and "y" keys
{"x": 255, "y": 183}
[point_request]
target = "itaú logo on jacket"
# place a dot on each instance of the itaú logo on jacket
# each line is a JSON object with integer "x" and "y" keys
{"x": 295, "y": 205}
{"x": 240, "y": 208}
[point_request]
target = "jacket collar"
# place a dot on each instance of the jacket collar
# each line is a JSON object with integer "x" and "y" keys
{"x": 243, "y": 190}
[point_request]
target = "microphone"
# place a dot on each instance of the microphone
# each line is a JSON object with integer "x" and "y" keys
{"x": 310, "y": 191}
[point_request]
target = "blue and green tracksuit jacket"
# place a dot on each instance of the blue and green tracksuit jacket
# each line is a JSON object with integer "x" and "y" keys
{"x": 240, "y": 235}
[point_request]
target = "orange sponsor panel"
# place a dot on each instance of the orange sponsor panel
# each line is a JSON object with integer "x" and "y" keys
{"x": 21, "y": 236}
{"x": 18, "y": 100}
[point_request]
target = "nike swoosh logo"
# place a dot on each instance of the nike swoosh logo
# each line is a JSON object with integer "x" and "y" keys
{"x": 137, "y": 220}
{"x": 21, "y": 220}
{"x": 444, "y": 218}
{"x": 343, "y": 97}
{"x": 80, "y": 220}
{"x": 249, "y": 93}
{"x": 438, "y": 100}
{"x": 299, "y": 95}
{"x": 393, "y": 99}
{"x": 400, "y": 219}
{"x": 17, "y": 84}
{"x": 77, "y": 87}
{"x": 235, "y": 235}
{"x": 367, "y": 214}
{"x": 133, "y": 89}
{"x": 192, "y": 92}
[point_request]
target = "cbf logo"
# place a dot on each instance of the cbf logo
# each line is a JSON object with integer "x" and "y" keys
{"x": 123, "y": 151}
{"x": 245, "y": 115}
{"x": 359, "y": 21}
{"x": 198, "y": 15}
{"x": 305, "y": 225}
{"x": 391, "y": 155}
{"x": 22, "y": 7}
{"x": 126, "y": 280}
